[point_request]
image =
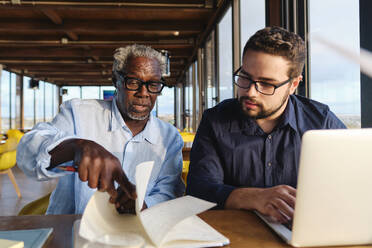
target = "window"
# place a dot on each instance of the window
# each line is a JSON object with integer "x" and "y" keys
{"x": 90, "y": 92}
{"x": 39, "y": 100}
{"x": 29, "y": 104}
{"x": 106, "y": 89}
{"x": 49, "y": 101}
{"x": 225, "y": 66}
{"x": 188, "y": 95}
{"x": 211, "y": 82}
{"x": 335, "y": 81}
{"x": 72, "y": 92}
{"x": 252, "y": 16}
{"x": 5, "y": 100}
{"x": 13, "y": 99}
{"x": 179, "y": 106}
{"x": 165, "y": 108}
{"x": 197, "y": 102}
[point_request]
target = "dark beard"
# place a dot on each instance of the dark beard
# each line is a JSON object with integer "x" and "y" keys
{"x": 262, "y": 114}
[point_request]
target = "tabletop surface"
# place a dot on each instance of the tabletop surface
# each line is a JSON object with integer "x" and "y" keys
{"x": 243, "y": 228}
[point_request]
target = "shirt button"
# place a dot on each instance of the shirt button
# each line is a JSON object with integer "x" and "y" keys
{"x": 269, "y": 137}
{"x": 269, "y": 164}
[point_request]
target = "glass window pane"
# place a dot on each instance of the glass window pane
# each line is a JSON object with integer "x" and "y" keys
{"x": 335, "y": 81}
{"x": 211, "y": 87}
{"x": 72, "y": 92}
{"x": 55, "y": 93}
{"x": 225, "y": 56}
{"x": 197, "y": 102}
{"x": 28, "y": 106}
{"x": 13, "y": 94}
{"x": 166, "y": 105}
{"x": 5, "y": 105}
{"x": 106, "y": 91}
{"x": 90, "y": 92}
{"x": 179, "y": 106}
{"x": 39, "y": 95}
{"x": 252, "y": 16}
{"x": 49, "y": 100}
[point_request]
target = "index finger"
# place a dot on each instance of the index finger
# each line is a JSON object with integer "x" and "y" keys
{"x": 125, "y": 185}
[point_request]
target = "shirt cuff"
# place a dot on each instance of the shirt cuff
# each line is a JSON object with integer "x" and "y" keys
{"x": 222, "y": 194}
{"x": 43, "y": 161}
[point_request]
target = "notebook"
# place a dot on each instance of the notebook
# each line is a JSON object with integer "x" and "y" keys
{"x": 32, "y": 238}
{"x": 5, "y": 243}
{"x": 334, "y": 190}
{"x": 169, "y": 224}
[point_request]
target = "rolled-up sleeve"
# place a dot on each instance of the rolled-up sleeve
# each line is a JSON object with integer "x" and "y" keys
{"x": 169, "y": 184}
{"x": 33, "y": 150}
{"x": 206, "y": 176}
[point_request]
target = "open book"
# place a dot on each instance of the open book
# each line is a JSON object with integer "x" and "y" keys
{"x": 169, "y": 224}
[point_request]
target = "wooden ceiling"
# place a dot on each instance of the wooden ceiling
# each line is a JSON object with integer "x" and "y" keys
{"x": 72, "y": 42}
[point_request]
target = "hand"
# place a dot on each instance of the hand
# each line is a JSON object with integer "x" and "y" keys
{"x": 101, "y": 169}
{"x": 123, "y": 204}
{"x": 276, "y": 202}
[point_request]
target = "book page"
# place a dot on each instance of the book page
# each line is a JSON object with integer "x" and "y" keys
{"x": 103, "y": 224}
{"x": 161, "y": 218}
{"x": 194, "y": 229}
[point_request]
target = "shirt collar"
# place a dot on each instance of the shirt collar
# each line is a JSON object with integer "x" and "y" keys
{"x": 248, "y": 125}
{"x": 149, "y": 133}
{"x": 289, "y": 116}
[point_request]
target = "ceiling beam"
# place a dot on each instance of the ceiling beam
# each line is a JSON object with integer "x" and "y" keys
{"x": 173, "y": 4}
{"x": 53, "y": 16}
{"x": 71, "y": 67}
{"x": 93, "y": 44}
{"x": 56, "y": 19}
{"x": 101, "y": 27}
{"x": 48, "y": 52}
{"x": 45, "y": 62}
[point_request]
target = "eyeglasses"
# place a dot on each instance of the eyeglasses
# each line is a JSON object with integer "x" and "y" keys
{"x": 264, "y": 88}
{"x": 134, "y": 84}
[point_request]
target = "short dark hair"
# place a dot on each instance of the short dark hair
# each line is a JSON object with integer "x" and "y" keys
{"x": 281, "y": 42}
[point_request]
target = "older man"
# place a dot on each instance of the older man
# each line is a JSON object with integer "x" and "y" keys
{"x": 105, "y": 140}
{"x": 246, "y": 151}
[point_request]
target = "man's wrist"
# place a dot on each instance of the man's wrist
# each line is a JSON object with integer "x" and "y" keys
{"x": 243, "y": 198}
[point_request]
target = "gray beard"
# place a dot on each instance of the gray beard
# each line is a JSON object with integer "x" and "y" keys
{"x": 136, "y": 117}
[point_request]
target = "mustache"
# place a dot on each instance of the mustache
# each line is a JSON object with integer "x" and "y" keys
{"x": 142, "y": 103}
{"x": 243, "y": 98}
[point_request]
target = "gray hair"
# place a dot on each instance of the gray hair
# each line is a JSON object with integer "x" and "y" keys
{"x": 122, "y": 54}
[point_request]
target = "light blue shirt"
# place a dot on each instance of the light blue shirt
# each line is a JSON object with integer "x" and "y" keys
{"x": 101, "y": 122}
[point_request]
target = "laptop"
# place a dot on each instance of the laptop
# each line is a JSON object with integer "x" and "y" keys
{"x": 334, "y": 190}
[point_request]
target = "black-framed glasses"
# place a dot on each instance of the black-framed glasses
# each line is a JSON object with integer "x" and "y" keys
{"x": 134, "y": 84}
{"x": 264, "y": 88}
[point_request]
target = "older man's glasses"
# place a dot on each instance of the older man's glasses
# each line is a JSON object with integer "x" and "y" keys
{"x": 244, "y": 82}
{"x": 135, "y": 84}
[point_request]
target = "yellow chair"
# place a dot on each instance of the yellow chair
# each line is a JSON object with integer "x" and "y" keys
{"x": 185, "y": 171}
{"x": 187, "y": 137}
{"x": 37, "y": 207}
{"x": 8, "y": 156}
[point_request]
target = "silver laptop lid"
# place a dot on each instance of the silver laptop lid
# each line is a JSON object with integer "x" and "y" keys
{"x": 334, "y": 191}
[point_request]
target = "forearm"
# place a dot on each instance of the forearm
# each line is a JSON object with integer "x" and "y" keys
{"x": 243, "y": 198}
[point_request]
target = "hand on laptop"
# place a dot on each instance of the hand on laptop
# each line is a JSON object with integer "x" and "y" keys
{"x": 276, "y": 202}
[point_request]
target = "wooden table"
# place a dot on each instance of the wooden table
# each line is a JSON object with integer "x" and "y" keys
{"x": 61, "y": 236}
{"x": 243, "y": 228}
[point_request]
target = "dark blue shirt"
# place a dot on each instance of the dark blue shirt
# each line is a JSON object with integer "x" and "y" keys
{"x": 230, "y": 150}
